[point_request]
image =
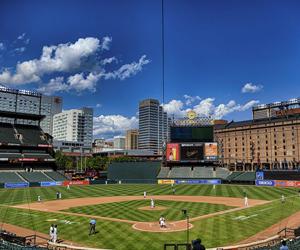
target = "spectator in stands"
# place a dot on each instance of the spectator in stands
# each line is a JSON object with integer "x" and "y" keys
{"x": 197, "y": 245}
{"x": 284, "y": 246}
{"x": 92, "y": 226}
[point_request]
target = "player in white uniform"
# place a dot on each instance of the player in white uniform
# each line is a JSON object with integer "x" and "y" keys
{"x": 162, "y": 222}
{"x": 246, "y": 201}
{"x": 282, "y": 199}
{"x": 152, "y": 204}
{"x": 39, "y": 198}
{"x": 145, "y": 194}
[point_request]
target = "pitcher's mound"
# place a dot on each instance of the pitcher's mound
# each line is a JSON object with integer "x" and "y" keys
{"x": 156, "y": 208}
{"x": 154, "y": 226}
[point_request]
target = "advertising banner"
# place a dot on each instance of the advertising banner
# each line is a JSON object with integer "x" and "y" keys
{"x": 173, "y": 152}
{"x": 210, "y": 182}
{"x": 283, "y": 183}
{"x": 211, "y": 151}
{"x": 269, "y": 183}
{"x": 48, "y": 183}
{"x": 84, "y": 182}
{"x": 166, "y": 182}
{"x": 259, "y": 175}
{"x": 16, "y": 185}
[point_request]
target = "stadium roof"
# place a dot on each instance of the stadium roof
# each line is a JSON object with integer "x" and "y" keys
{"x": 19, "y": 115}
{"x": 234, "y": 124}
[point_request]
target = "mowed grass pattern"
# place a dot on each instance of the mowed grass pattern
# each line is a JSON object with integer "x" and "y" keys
{"x": 129, "y": 210}
{"x": 28, "y": 195}
{"x": 219, "y": 230}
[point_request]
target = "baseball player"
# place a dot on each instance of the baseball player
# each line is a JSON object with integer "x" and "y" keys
{"x": 162, "y": 222}
{"x": 68, "y": 187}
{"x": 39, "y": 198}
{"x": 152, "y": 204}
{"x": 282, "y": 199}
{"x": 51, "y": 232}
{"x": 145, "y": 194}
{"x": 246, "y": 201}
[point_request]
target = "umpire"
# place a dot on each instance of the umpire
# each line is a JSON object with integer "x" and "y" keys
{"x": 92, "y": 226}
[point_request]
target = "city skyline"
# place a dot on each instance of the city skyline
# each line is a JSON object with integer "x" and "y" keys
{"x": 220, "y": 58}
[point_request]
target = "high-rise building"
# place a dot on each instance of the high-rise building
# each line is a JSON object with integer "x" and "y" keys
{"x": 31, "y": 102}
{"x": 153, "y": 126}
{"x": 74, "y": 125}
{"x": 119, "y": 142}
{"x": 131, "y": 141}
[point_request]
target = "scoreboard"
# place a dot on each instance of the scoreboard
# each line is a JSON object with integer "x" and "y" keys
{"x": 191, "y": 134}
{"x": 192, "y": 152}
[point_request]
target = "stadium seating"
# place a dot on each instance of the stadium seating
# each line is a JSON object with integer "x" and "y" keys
{"x": 7, "y": 134}
{"x": 222, "y": 173}
{"x": 34, "y": 176}
{"x": 233, "y": 175}
{"x": 142, "y": 170}
{"x": 246, "y": 176}
{"x": 38, "y": 155}
{"x": 282, "y": 175}
{"x": 163, "y": 173}
{"x": 181, "y": 172}
{"x": 10, "y": 177}
{"x": 31, "y": 135}
{"x": 292, "y": 245}
{"x": 203, "y": 172}
{"x": 56, "y": 176}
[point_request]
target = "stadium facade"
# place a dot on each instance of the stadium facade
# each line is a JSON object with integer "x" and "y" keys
{"x": 153, "y": 126}
{"x": 30, "y": 102}
{"x": 271, "y": 140}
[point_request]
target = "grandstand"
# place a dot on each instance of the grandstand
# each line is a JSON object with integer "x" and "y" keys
{"x": 141, "y": 171}
{"x": 10, "y": 177}
{"x": 25, "y": 150}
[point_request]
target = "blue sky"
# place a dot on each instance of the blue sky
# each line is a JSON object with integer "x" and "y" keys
{"x": 107, "y": 55}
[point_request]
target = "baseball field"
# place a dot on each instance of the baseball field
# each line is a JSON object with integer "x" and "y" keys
{"x": 126, "y": 221}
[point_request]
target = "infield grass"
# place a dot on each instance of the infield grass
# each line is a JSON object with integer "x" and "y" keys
{"x": 130, "y": 210}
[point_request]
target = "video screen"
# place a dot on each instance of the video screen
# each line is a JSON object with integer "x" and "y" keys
{"x": 211, "y": 151}
{"x": 192, "y": 134}
{"x": 191, "y": 152}
{"x": 173, "y": 152}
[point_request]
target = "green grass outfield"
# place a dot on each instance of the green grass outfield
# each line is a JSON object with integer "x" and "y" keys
{"x": 130, "y": 210}
{"x": 219, "y": 230}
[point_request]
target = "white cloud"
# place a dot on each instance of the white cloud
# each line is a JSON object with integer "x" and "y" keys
{"x": 207, "y": 108}
{"x": 2, "y": 47}
{"x": 109, "y": 60}
{"x": 79, "y": 82}
{"x": 55, "y": 85}
{"x": 61, "y": 58}
{"x": 251, "y": 88}
{"x": 20, "y": 50}
{"x": 21, "y": 37}
{"x": 110, "y": 124}
{"x": 106, "y": 41}
{"x": 98, "y": 105}
{"x": 174, "y": 107}
{"x": 128, "y": 70}
{"x": 191, "y": 99}
{"x": 79, "y": 59}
